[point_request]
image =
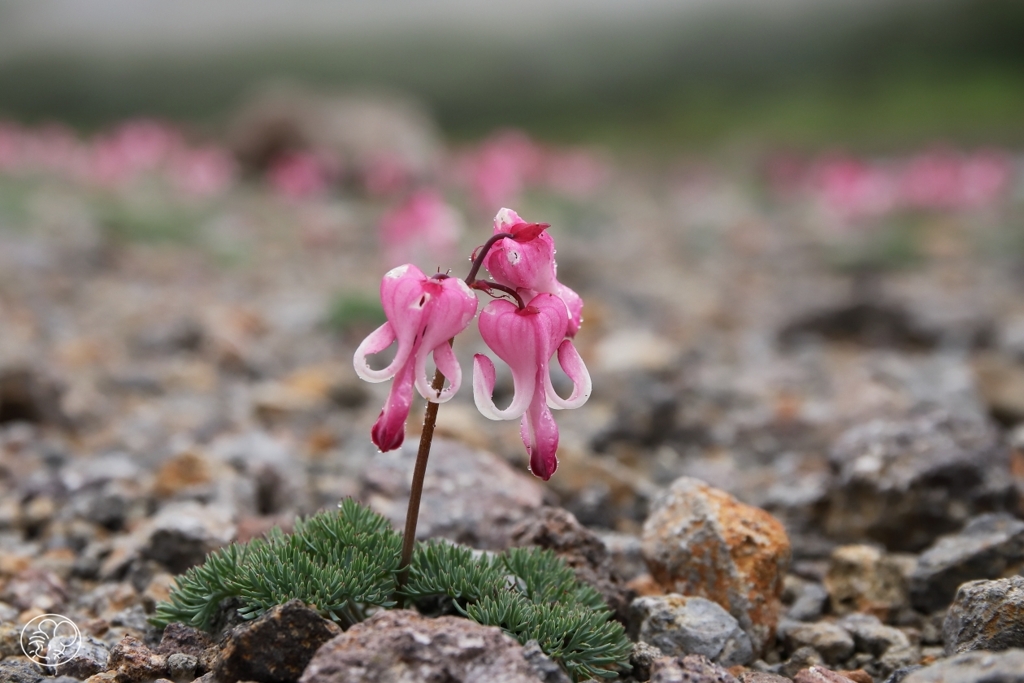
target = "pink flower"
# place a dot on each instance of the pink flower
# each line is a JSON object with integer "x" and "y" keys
{"x": 300, "y": 175}
{"x": 423, "y": 223}
{"x": 423, "y": 314}
{"x": 526, "y": 339}
{"x": 526, "y": 261}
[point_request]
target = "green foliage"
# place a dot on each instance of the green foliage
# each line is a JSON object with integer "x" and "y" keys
{"x": 351, "y": 310}
{"x": 345, "y": 565}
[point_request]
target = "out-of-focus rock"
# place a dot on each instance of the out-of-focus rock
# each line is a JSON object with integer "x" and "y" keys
{"x": 29, "y": 395}
{"x": 558, "y": 530}
{"x": 890, "y": 646}
{"x": 275, "y": 646}
{"x": 986, "y": 615}
{"x": 701, "y": 541}
{"x": 132, "y": 662}
{"x": 546, "y": 668}
{"x": 358, "y": 130}
{"x": 642, "y": 658}
{"x": 20, "y": 670}
{"x": 679, "y": 625}
{"x": 458, "y": 479}
{"x": 805, "y": 600}
{"x": 689, "y": 669}
{"x": 402, "y": 645}
{"x": 1001, "y": 384}
{"x": 904, "y": 482}
{"x": 974, "y": 667}
{"x": 832, "y": 642}
{"x": 990, "y": 546}
{"x": 90, "y": 658}
{"x": 861, "y": 578}
{"x": 182, "y": 534}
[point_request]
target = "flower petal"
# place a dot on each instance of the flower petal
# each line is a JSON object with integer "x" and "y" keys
{"x": 540, "y": 435}
{"x": 388, "y": 431}
{"x": 446, "y": 362}
{"x": 375, "y": 342}
{"x": 483, "y": 391}
{"x": 571, "y": 362}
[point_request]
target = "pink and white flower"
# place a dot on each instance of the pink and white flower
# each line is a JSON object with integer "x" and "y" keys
{"x": 526, "y": 262}
{"x": 526, "y": 339}
{"x": 423, "y": 314}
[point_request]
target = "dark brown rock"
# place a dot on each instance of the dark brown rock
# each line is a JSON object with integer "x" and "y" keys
{"x": 131, "y": 661}
{"x": 275, "y": 647}
{"x": 401, "y": 645}
{"x": 986, "y": 615}
{"x": 558, "y": 530}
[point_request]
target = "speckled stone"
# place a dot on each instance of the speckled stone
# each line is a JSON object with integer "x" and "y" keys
{"x": 701, "y": 541}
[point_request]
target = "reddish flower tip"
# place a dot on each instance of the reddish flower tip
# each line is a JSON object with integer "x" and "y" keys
{"x": 526, "y": 232}
{"x": 384, "y": 434}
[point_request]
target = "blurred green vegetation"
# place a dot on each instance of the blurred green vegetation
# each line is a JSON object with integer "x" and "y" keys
{"x": 872, "y": 75}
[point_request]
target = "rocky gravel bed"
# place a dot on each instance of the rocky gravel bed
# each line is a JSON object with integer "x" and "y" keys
{"x": 774, "y": 479}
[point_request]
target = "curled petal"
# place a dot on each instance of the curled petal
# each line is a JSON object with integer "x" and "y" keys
{"x": 540, "y": 436}
{"x": 388, "y": 431}
{"x": 571, "y": 362}
{"x": 375, "y": 342}
{"x": 483, "y": 391}
{"x": 446, "y": 362}
{"x": 574, "y": 304}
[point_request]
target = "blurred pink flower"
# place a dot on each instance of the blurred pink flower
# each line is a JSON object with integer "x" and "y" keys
{"x": 855, "y": 189}
{"x": 385, "y": 175}
{"x": 423, "y": 226}
{"x": 574, "y": 173}
{"x": 299, "y": 175}
{"x": 500, "y": 168}
{"x": 203, "y": 172}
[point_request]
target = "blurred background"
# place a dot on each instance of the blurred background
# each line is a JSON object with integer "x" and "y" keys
{"x": 671, "y": 75}
{"x": 784, "y": 216}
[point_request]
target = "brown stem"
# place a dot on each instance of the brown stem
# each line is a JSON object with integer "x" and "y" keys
{"x": 478, "y": 257}
{"x": 418, "y": 473}
{"x": 488, "y": 285}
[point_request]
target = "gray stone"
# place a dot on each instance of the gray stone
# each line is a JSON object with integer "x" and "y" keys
{"x": 625, "y": 552}
{"x": 401, "y": 645}
{"x": 986, "y": 615}
{"x": 898, "y": 675}
{"x": 182, "y": 534}
{"x": 19, "y": 670}
{"x": 90, "y": 659}
{"x": 762, "y": 677}
{"x": 805, "y": 600}
{"x": 803, "y": 658}
{"x": 181, "y": 666}
{"x": 990, "y": 546}
{"x": 905, "y": 482}
{"x": 681, "y": 625}
{"x": 862, "y": 578}
{"x": 689, "y": 669}
{"x": 974, "y": 667}
{"x": 890, "y": 646}
{"x": 642, "y": 658}
{"x": 832, "y": 642}
{"x": 546, "y": 668}
{"x": 459, "y": 477}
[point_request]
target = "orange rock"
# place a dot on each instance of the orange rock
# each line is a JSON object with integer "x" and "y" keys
{"x": 183, "y": 470}
{"x": 701, "y": 541}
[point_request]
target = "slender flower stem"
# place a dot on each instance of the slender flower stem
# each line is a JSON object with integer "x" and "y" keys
{"x": 481, "y": 253}
{"x": 488, "y": 285}
{"x": 418, "y": 474}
